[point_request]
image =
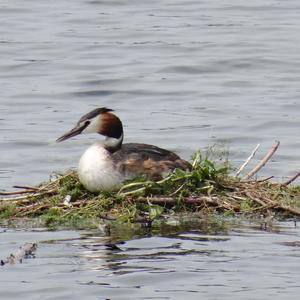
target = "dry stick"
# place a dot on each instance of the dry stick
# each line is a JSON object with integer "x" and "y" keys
{"x": 169, "y": 200}
{"x": 286, "y": 208}
{"x": 26, "y": 197}
{"x": 292, "y": 179}
{"x": 39, "y": 206}
{"x": 26, "y": 190}
{"x": 15, "y": 199}
{"x": 272, "y": 204}
{"x": 17, "y": 193}
{"x": 31, "y": 193}
{"x": 259, "y": 201}
{"x": 25, "y": 187}
{"x": 53, "y": 182}
{"x": 247, "y": 160}
{"x": 263, "y": 161}
{"x": 291, "y": 210}
{"x": 265, "y": 179}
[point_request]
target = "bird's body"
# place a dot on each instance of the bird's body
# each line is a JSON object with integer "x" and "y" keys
{"x": 106, "y": 164}
{"x": 97, "y": 171}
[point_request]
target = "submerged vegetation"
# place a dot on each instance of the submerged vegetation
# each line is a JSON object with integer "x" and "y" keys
{"x": 206, "y": 190}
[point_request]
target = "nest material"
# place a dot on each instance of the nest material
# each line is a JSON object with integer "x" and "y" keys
{"x": 207, "y": 188}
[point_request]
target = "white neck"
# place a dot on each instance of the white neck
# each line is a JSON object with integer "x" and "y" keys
{"x": 113, "y": 143}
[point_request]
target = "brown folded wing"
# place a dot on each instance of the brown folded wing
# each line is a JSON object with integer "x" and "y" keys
{"x": 147, "y": 160}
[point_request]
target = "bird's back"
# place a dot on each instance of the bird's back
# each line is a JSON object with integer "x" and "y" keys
{"x": 134, "y": 159}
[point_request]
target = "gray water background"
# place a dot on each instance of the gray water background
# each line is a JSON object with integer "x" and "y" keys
{"x": 182, "y": 75}
{"x": 246, "y": 264}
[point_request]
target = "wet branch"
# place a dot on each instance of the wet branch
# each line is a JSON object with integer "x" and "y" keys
{"x": 292, "y": 179}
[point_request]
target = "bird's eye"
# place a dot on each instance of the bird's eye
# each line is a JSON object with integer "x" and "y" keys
{"x": 86, "y": 123}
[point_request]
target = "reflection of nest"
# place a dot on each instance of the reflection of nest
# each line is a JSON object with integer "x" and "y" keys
{"x": 25, "y": 251}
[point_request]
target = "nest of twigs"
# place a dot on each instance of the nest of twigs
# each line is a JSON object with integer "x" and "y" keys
{"x": 207, "y": 188}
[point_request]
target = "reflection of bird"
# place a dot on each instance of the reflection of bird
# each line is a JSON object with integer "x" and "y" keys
{"x": 106, "y": 164}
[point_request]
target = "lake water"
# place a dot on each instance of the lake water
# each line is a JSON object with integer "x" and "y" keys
{"x": 182, "y": 75}
{"x": 245, "y": 264}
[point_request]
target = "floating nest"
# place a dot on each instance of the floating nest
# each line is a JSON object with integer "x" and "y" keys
{"x": 207, "y": 189}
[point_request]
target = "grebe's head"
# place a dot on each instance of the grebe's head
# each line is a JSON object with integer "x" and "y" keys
{"x": 102, "y": 121}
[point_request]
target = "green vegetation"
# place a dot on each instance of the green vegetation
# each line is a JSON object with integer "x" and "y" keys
{"x": 205, "y": 192}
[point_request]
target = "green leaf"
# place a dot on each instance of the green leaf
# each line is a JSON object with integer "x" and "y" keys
{"x": 155, "y": 211}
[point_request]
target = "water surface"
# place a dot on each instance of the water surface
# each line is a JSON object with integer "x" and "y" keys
{"x": 247, "y": 263}
{"x": 182, "y": 75}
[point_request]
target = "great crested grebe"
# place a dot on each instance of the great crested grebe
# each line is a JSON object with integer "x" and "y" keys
{"x": 106, "y": 164}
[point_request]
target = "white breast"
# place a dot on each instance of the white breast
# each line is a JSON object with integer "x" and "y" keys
{"x": 96, "y": 170}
